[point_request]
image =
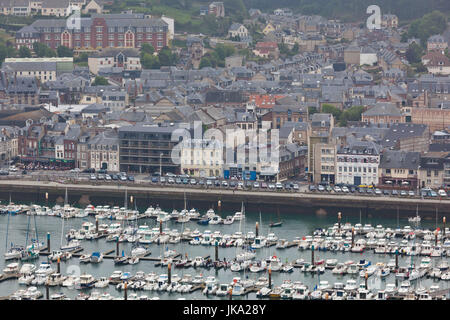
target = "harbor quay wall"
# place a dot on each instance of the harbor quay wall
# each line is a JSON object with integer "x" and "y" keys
{"x": 221, "y": 200}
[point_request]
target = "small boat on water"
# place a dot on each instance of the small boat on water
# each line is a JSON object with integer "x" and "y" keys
{"x": 276, "y": 224}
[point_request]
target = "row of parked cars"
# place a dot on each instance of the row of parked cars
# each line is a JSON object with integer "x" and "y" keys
{"x": 215, "y": 182}
{"x": 371, "y": 190}
{"x": 122, "y": 176}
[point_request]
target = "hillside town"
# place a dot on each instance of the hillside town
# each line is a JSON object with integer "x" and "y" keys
{"x": 347, "y": 104}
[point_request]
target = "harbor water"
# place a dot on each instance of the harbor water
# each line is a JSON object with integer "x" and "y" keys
{"x": 294, "y": 225}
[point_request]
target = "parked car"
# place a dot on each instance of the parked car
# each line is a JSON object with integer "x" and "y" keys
{"x": 378, "y": 192}
{"x": 108, "y": 177}
{"x": 124, "y": 178}
{"x": 386, "y": 192}
{"x": 394, "y": 192}
{"x": 131, "y": 178}
{"x": 272, "y": 186}
{"x": 171, "y": 180}
{"x": 178, "y": 181}
{"x": 115, "y": 177}
{"x": 312, "y": 188}
{"x": 256, "y": 184}
{"x": 433, "y": 194}
{"x": 279, "y": 186}
{"x": 93, "y": 177}
{"x": 345, "y": 189}
{"x": 403, "y": 193}
{"x": 442, "y": 193}
{"x": 411, "y": 193}
{"x": 224, "y": 183}
{"x": 337, "y": 189}
{"x": 320, "y": 187}
{"x": 295, "y": 186}
{"x": 193, "y": 181}
{"x": 162, "y": 180}
{"x": 155, "y": 179}
{"x": 209, "y": 183}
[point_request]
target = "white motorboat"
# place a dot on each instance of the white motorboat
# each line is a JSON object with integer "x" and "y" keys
{"x": 103, "y": 282}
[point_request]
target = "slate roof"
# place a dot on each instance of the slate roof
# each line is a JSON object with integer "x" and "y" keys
{"x": 398, "y": 159}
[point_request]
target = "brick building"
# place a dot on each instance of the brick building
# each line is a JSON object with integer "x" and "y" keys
{"x": 97, "y": 32}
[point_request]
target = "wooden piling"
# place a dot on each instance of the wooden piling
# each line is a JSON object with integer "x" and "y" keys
{"x": 59, "y": 265}
{"x": 47, "y": 292}
{"x": 312, "y": 255}
{"x": 48, "y": 241}
{"x": 96, "y": 225}
{"x": 339, "y": 220}
{"x": 366, "y": 276}
{"x": 216, "y": 250}
{"x": 396, "y": 260}
{"x": 117, "y": 247}
{"x": 444, "y": 220}
{"x": 270, "y": 278}
{"x": 125, "y": 297}
{"x": 257, "y": 229}
{"x": 160, "y": 226}
{"x": 169, "y": 273}
{"x": 353, "y": 236}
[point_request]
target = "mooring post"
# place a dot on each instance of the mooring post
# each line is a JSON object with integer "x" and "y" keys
{"x": 396, "y": 260}
{"x": 117, "y": 247}
{"x": 169, "y": 273}
{"x": 47, "y": 292}
{"x": 257, "y": 229}
{"x": 96, "y": 225}
{"x": 48, "y": 242}
{"x": 366, "y": 276}
{"x": 436, "y": 237}
{"x": 59, "y": 265}
{"x": 270, "y": 278}
{"x": 217, "y": 250}
{"x": 160, "y": 226}
{"x": 312, "y": 255}
{"x": 231, "y": 293}
{"x": 444, "y": 220}
{"x": 125, "y": 291}
{"x": 339, "y": 221}
{"x": 353, "y": 236}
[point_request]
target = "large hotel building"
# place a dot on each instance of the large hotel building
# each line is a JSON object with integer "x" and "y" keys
{"x": 96, "y": 32}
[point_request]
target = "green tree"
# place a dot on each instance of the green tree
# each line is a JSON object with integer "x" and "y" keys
{"x": 329, "y": 108}
{"x": 351, "y": 114}
{"x": 205, "y": 62}
{"x": 43, "y": 50}
{"x": 24, "y": 52}
{"x": 64, "y": 51}
{"x": 432, "y": 23}
{"x": 414, "y": 53}
{"x": 147, "y": 48}
{"x": 100, "y": 81}
{"x": 166, "y": 57}
{"x": 150, "y": 61}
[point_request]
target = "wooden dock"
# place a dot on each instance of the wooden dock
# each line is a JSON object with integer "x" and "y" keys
{"x": 5, "y": 277}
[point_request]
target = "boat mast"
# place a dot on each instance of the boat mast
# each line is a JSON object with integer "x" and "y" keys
{"x": 126, "y": 200}
{"x": 7, "y": 228}
{"x": 28, "y": 229}
{"x": 36, "y": 230}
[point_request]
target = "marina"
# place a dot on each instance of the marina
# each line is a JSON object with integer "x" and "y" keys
{"x": 101, "y": 252}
